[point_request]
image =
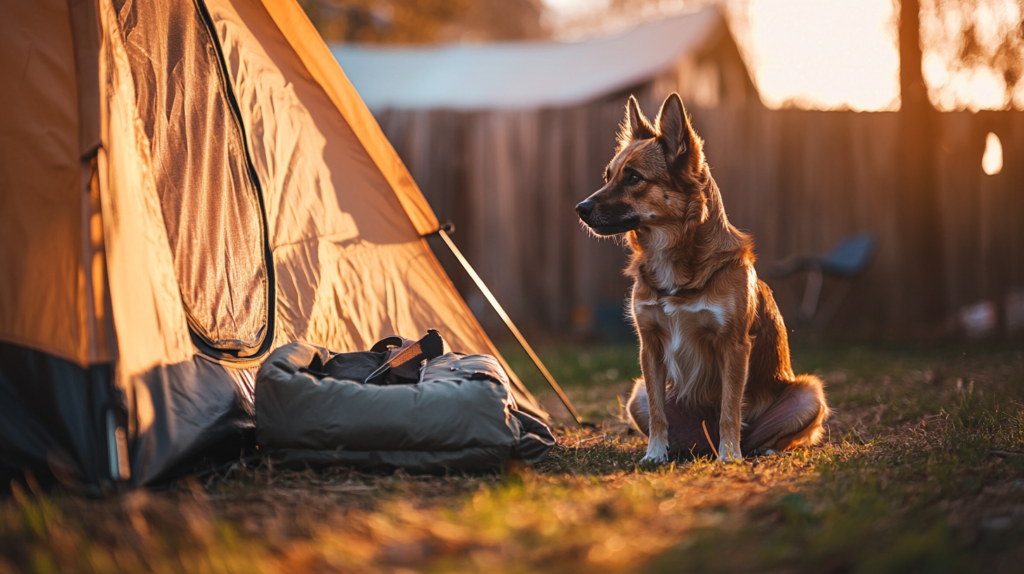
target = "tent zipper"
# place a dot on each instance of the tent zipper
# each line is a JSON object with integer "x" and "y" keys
{"x": 268, "y": 333}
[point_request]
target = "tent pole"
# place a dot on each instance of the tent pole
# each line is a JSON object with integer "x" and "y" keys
{"x": 511, "y": 326}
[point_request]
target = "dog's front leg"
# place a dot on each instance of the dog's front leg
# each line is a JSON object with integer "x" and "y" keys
{"x": 734, "y": 381}
{"x": 652, "y": 357}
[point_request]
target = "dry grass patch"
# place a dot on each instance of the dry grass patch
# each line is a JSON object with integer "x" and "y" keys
{"x": 923, "y": 472}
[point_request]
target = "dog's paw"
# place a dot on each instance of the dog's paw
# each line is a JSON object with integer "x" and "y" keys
{"x": 657, "y": 452}
{"x": 729, "y": 452}
{"x": 656, "y": 459}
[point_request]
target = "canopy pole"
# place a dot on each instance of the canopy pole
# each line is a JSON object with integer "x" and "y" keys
{"x": 511, "y": 326}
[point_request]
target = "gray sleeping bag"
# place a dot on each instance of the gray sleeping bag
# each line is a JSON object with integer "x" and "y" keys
{"x": 458, "y": 417}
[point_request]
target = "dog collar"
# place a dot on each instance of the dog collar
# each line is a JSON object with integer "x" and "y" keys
{"x": 677, "y": 290}
{"x": 674, "y": 292}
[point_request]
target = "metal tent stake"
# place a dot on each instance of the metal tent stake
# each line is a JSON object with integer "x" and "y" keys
{"x": 511, "y": 326}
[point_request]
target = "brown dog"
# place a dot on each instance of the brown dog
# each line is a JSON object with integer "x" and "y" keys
{"x": 713, "y": 348}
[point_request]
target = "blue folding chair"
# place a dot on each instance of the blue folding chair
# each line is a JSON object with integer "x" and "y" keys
{"x": 847, "y": 260}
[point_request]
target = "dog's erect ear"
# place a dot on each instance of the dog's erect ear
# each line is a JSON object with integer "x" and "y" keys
{"x": 674, "y": 128}
{"x": 634, "y": 126}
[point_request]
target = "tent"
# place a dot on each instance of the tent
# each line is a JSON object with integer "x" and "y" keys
{"x": 188, "y": 185}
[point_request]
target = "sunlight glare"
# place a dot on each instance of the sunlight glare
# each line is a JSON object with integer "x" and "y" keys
{"x": 992, "y": 160}
{"x": 843, "y": 54}
{"x": 570, "y": 8}
{"x": 826, "y": 54}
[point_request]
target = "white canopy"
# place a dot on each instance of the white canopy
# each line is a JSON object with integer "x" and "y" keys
{"x": 521, "y": 75}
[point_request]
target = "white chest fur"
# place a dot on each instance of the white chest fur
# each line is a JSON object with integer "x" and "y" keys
{"x": 718, "y": 309}
{"x": 675, "y": 309}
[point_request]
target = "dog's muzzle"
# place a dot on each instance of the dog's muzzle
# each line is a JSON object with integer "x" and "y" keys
{"x": 604, "y": 223}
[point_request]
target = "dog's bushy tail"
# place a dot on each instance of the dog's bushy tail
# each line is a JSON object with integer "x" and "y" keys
{"x": 812, "y": 416}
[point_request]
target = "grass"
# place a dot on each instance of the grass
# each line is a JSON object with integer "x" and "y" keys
{"x": 922, "y": 472}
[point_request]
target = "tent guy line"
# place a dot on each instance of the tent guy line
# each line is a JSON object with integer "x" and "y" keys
{"x": 443, "y": 233}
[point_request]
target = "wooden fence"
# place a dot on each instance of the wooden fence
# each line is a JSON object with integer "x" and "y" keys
{"x": 798, "y": 180}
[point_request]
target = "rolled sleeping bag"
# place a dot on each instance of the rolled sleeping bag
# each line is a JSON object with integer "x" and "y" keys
{"x": 459, "y": 416}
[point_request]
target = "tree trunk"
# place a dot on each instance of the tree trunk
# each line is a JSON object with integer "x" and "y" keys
{"x": 922, "y": 294}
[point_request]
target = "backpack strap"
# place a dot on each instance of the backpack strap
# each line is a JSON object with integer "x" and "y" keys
{"x": 386, "y": 343}
{"x": 403, "y": 366}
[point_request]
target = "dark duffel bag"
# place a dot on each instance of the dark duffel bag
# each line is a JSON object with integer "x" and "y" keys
{"x": 458, "y": 414}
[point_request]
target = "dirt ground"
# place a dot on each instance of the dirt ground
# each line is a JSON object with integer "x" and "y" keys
{"x": 922, "y": 471}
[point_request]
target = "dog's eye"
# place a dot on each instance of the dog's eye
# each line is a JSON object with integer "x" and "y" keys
{"x": 633, "y": 178}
